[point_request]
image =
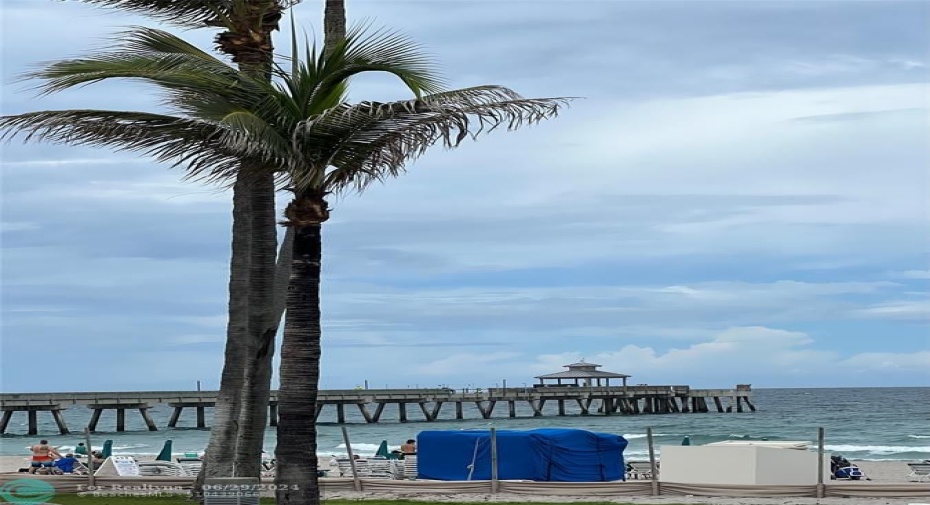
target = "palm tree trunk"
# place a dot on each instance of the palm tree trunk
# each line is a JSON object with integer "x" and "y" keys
{"x": 263, "y": 326}
{"x": 254, "y": 347}
{"x": 334, "y": 24}
{"x": 296, "y": 471}
{"x": 221, "y": 448}
{"x": 296, "y": 476}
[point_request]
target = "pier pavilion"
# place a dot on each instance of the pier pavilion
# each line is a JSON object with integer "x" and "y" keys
{"x": 583, "y": 374}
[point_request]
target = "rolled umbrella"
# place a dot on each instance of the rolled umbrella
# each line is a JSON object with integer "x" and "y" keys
{"x": 383, "y": 450}
{"x": 165, "y": 454}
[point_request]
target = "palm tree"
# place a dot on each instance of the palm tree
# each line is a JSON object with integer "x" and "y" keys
{"x": 256, "y": 300}
{"x": 228, "y": 125}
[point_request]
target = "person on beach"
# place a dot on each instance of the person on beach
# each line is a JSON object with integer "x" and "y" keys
{"x": 67, "y": 463}
{"x": 409, "y": 448}
{"x": 43, "y": 455}
{"x": 97, "y": 458}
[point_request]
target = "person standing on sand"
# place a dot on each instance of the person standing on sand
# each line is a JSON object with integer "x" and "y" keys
{"x": 42, "y": 455}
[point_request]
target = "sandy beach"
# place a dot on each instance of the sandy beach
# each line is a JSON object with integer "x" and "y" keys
{"x": 877, "y": 471}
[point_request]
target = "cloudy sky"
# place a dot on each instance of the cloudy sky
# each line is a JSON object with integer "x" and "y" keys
{"x": 741, "y": 196}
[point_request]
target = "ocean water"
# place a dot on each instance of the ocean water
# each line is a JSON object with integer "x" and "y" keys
{"x": 860, "y": 423}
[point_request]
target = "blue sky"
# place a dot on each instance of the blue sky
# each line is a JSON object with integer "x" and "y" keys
{"x": 741, "y": 197}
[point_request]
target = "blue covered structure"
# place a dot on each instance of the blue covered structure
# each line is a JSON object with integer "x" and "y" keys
{"x": 556, "y": 455}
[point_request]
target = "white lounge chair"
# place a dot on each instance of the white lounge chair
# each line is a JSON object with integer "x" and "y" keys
{"x": 361, "y": 466}
{"x": 410, "y": 466}
{"x": 383, "y": 468}
{"x": 920, "y": 472}
{"x": 638, "y": 470}
{"x": 163, "y": 469}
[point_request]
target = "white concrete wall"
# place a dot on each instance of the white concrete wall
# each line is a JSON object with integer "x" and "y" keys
{"x": 788, "y": 467}
{"x": 695, "y": 464}
{"x": 737, "y": 465}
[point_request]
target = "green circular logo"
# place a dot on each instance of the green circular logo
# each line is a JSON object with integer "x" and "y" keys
{"x": 27, "y": 491}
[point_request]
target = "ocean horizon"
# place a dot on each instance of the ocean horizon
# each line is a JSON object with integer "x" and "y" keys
{"x": 860, "y": 423}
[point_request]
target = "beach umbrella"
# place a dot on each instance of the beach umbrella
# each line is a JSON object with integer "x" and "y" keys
{"x": 383, "y": 450}
{"x": 165, "y": 454}
{"x": 107, "y": 449}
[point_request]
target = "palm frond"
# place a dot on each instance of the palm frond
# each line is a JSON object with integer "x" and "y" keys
{"x": 188, "y": 13}
{"x": 369, "y": 51}
{"x": 251, "y": 136}
{"x": 143, "y": 53}
{"x": 180, "y": 142}
{"x": 191, "y": 13}
{"x": 371, "y": 141}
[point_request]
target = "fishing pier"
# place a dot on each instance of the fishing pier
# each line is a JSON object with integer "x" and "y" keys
{"x": 371, "y": 403}
{"x": 580, "y": 390}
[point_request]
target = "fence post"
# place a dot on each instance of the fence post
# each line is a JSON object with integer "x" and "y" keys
{"x": 494, "y": 476}
{"x": 653, "y": 468}
{"x": 820, "y": 439}
{"x": 90, "y": 458}
{"x": 355, "y": 480}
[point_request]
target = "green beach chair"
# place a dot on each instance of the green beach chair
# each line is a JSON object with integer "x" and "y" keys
{"x": 107, "y": 449}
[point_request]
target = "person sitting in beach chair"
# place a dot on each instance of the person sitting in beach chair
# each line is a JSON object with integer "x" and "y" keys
{"x": 67, "y": 464}
{"x": 97, "y": 458}
{"x": 841, "y": 468}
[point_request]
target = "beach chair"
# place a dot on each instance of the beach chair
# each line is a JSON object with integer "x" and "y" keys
{"x": 162, "y": 469}
{"x": 638, "y": 470}
{"x": 192, "y": 467}
{"x": 68, "y": 466}
{"x": 361, "y": 466}
{"x": 920, "y": 472}
{"x": 410, "y": 467}
{"x": 382, "y": 468}
{"x": 80, "y": 469}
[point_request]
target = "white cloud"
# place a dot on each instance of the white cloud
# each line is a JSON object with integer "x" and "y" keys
{"x": 43, "y": 163}
{"x": 889, "y": 362}
{"x": 760, "y": 355}
{"x": 903, "y": 310}
{"x": 17, "y": 226}
{"x": 913, "y": 274}
{"x": 444, "y": 367}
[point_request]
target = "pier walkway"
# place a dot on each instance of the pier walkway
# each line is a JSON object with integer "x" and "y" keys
{"x": 628, "y": 400}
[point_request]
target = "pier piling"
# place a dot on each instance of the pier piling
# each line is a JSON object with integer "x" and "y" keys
{"x": 120, "y": 408}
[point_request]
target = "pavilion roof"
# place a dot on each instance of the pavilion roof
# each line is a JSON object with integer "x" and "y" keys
{"x": 582, "y": 363}
{"x": 582, "y": 374}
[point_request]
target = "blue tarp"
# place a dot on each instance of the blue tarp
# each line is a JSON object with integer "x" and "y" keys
{"x": 557, "y": 455}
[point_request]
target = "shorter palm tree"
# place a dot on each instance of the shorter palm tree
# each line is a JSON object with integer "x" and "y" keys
{"x": 299, "y": 127}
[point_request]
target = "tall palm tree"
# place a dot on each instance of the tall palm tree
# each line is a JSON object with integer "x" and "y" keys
{"x": 255, "y": 291}
{"x": 227, "y": 125}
